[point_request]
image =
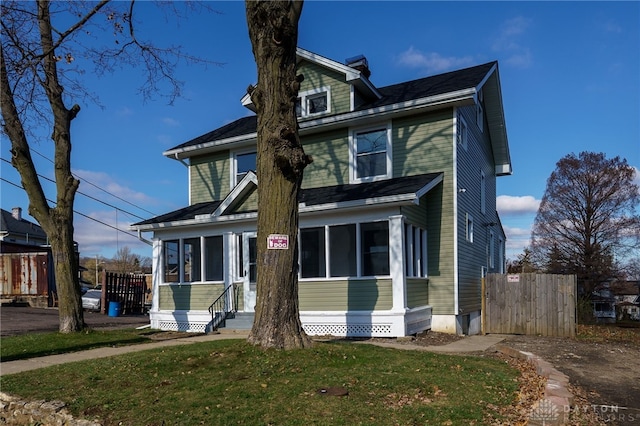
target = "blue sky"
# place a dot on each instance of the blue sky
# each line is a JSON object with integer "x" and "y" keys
{"x": 570, "y": 74}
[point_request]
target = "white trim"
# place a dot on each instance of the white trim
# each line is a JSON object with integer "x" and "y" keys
{"x": 248, "y": 183}
{"x": 396, "y": 264}
{"x": 456, "y": 216}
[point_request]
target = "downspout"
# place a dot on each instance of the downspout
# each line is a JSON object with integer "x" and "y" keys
{"x": 180, "y": 160}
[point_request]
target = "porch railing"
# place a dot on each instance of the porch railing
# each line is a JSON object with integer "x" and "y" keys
{"x": 223, "y": 306}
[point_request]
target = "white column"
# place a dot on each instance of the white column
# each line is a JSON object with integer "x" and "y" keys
{"x": 156, "y": 274}
{"x": 397, "y": 262}
{"x": 229, "y": 253}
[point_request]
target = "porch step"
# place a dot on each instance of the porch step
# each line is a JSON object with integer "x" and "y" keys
{"x": 239, "y": 321}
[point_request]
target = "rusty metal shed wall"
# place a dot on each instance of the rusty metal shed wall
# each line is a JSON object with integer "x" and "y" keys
{"x": 24, "y": 274}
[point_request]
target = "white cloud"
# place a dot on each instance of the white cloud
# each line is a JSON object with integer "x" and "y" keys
{"x": 98, "y": 234}
{"x": 107, "y": 183}
{"x": 507, "y": 42}
{"x": 171, "y": 122}
{"x": 636, "y": 178}
{"x": 510, "y": 205}
{"x": 432, "y": 62}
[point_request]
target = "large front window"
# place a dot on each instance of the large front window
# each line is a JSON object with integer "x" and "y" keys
{"x": 343, "y": 255}
{"x": 371, "y": 154}
{"x": 183, "y": 259}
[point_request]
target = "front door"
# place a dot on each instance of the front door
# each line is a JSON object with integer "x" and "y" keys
{"x": 249, "y": 256}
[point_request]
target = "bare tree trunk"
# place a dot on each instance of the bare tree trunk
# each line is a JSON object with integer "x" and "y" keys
{"x": 273, "y": 30}
{"x": 57, "y": 222}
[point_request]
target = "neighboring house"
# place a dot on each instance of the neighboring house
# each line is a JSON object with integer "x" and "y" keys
{"x": 627, "y": 299}
{"x": 15, "y": 231}
{"x": 25, "y": 261}
{"x": 398, "y": 219}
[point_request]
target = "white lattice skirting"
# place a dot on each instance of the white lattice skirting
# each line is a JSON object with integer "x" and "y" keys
{"x": 366, "y": 324}
{"x": 347, "y": 324}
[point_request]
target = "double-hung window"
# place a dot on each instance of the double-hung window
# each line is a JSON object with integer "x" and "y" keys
{"x": 371, "y": 154}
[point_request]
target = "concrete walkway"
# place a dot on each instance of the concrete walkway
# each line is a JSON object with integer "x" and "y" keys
{"x": 468, "y": 344}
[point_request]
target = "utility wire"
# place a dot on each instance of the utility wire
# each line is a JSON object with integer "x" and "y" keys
{"x": 93, "y": 198}
{"x": 82, "y": 214}
{"x": 96, "y": 186}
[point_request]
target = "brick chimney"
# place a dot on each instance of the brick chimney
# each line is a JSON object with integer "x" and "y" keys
{"x": 360, "y": 63}
{"x": 16, "y": 212}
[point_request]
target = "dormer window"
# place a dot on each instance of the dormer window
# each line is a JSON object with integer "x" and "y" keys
{"x": 313, "y": 102}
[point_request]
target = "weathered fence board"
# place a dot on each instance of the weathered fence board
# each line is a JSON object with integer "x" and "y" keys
{"x": 128, "y": 289}
{"x": 535, "y": 304}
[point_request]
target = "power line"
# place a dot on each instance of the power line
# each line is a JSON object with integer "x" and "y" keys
{"x": 93, "y": 198}
{"x": 96, "y": 186}
{"x": 82, "y": 214}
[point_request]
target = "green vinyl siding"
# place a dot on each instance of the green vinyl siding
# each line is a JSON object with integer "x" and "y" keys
{"x": 417, "y": 292}
{"x": 249, "y": 204}
{"x": 416, "y": 215}
{"x": 330, "y": 153}
{"x": 209, "y": 177}
{"x": 477, "y": 158}
{"x": 350, "y": 295}
{"x": 440, "y": 243}
{"x": 186, "y": 297}
{"x": 422, "y": 144}
{"x": 316, "y": 76}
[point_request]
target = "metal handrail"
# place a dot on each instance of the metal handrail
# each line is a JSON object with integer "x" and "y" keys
{"x": 218, "y": 308}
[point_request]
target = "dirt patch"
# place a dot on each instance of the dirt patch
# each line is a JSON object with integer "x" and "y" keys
{"x": 603, "y": 366}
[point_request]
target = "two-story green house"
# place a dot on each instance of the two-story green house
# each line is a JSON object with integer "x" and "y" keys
{"x": 398, "y": 219}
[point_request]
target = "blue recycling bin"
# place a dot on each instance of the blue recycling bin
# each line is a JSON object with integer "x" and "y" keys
{"x": 114, "y": 309}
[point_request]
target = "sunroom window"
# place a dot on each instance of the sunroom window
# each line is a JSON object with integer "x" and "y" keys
{"x": 375, "y": 248}
{"x": 183, "y": 259}
{"x": 416, "y": 251}
{"x": 171, "y": 263}
{"x": 352, "y": 250}
{"x": 371, "y": 154}
{"x": 312, "y": 259}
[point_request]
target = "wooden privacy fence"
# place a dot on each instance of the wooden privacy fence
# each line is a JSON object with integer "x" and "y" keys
{"x": 535, "y": 304}
{"x": 128, "y": 289}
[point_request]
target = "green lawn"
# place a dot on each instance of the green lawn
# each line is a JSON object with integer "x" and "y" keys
{"x": 35, "y": 345}
{"x": 232, "y": 382}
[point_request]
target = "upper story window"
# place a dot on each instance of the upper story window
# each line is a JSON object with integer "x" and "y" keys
{"x": 313, "y": 102}
{"x": 242, "y": 163}
{"x": 370, "y": 154}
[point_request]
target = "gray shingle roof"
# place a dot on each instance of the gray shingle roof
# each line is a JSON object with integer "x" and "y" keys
{"x": 316, "y": 196}
{"x": 397, "y": 93}
{"x": 11, "y": 225}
